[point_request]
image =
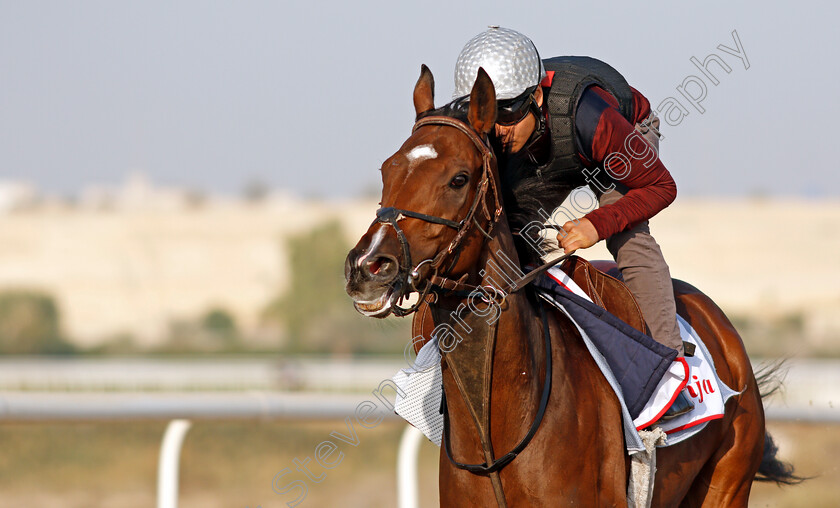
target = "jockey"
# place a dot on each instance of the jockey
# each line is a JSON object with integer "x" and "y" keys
{"x": 580, "y": 118}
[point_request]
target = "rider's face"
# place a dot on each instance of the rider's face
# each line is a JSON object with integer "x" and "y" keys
{"x": 514, "y": 137}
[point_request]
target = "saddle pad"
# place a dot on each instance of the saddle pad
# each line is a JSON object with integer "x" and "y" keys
{"x": 637, "y": 362}
{"x": 665, "y": 394}
{"x": 695, "y": 374}
{"x": 421, "y": 386}
{"x": 420, "y": 391}
{"x": 705, "y": 389}
{"x": 564, "y": 281}
{"x": 669, "y": 387}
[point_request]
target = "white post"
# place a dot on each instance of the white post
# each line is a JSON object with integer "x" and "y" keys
{"x": 407, "y": 480}
{"x": 170, "y": 453}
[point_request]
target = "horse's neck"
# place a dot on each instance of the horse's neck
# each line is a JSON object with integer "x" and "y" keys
{"x": 519, "y": 331}
{"x": 498, "y": 342}
{"x": 497, "y": 268}
{"x": 517, "y": 319}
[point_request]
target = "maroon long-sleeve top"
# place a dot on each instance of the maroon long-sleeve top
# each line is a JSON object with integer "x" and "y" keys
{"x": 605, "y": 135}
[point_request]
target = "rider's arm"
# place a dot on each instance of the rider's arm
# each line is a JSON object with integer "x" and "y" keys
{"x": 602, "y": 131}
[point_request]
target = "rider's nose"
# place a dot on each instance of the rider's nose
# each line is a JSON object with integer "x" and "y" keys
{"x": 382, "y": 266}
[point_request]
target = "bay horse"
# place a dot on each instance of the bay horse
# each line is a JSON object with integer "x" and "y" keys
{"x": 528, "y": 422}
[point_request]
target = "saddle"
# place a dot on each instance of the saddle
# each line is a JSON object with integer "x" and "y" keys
{"x": 601, "y": 281}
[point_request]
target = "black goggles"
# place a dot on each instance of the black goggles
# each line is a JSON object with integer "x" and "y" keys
{"x": 513, "y": 111}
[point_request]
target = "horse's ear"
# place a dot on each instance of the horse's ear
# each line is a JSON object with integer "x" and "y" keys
{"x": 482, "y": 113}
{"x": 424, "y": 91}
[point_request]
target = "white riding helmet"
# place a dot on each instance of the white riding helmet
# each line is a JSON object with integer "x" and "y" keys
{"x": 510, "y": 59}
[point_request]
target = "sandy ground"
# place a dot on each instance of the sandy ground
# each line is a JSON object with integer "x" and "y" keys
{"x": 232, "y": 465}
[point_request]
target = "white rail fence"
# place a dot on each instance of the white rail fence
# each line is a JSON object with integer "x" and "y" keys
{"x": 183, "y": 408}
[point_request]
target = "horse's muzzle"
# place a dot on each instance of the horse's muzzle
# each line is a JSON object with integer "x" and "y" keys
{"x": 369, "y": 280}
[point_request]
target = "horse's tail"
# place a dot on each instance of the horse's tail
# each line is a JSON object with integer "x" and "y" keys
{"x": 774, "y": 470}
{"x": 770, "y": 378}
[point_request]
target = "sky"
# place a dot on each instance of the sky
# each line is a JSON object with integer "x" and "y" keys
{"x": 311, "y": 97}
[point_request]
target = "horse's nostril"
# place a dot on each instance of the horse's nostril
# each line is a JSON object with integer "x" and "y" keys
{"x": 381, "y": 266}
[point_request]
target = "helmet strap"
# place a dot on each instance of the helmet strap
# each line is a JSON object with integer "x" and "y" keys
{"x": 538, "y": 146}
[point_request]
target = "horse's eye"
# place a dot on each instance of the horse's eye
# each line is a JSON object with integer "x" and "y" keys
{"x": 459, "y": 181}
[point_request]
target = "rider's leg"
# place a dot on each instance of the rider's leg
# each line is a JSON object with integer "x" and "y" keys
{"x": 647, "y": 275}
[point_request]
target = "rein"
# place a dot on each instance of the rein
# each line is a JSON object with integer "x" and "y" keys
{"x": 458, "y": 286}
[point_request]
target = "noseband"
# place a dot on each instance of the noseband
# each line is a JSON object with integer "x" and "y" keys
{"x": 392, "y": 216}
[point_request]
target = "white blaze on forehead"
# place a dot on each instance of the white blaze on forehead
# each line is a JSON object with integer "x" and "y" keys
{"x": 420, "y": 153}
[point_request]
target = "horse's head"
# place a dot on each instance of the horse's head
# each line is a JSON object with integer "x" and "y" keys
{"x": 439, "y": 202}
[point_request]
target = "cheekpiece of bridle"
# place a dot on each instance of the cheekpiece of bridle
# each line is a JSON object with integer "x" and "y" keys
{"x": 409, "y": 273}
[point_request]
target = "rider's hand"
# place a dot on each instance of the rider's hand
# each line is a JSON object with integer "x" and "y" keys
{"x": 578, "y": 234}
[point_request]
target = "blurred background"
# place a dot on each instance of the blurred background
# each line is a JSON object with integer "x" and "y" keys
{"x": 180, "y": 183}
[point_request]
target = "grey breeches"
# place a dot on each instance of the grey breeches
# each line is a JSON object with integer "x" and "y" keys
{"x": 647, "y": 275}
{"x": 644, "y": 268}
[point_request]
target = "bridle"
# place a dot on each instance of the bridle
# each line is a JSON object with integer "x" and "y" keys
{"x": 391, "y": 216}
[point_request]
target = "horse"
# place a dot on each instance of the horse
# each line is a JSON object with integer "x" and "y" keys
{"x": 529, "y": 418}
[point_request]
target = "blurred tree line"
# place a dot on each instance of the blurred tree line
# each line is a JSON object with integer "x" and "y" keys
{"x": 312, "y": 316}
{"x": 30, "y": 324}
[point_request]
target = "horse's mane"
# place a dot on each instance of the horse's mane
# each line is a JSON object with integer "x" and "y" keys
{"x": 526, "y": 188}
{"x": 458, "y": 109}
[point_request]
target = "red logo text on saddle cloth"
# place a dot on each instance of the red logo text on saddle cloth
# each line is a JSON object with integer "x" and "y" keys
{"x": 703, "y": 387}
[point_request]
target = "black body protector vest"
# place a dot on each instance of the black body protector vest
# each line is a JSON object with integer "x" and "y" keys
{"x": 573, "y": 75}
